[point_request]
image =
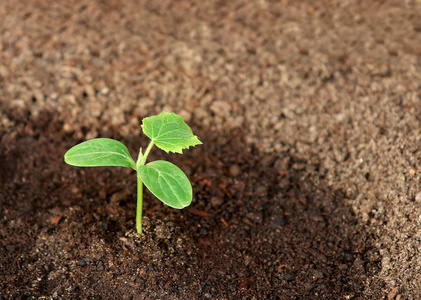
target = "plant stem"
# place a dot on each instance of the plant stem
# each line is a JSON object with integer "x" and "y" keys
{"x": 139, "y": 209}
{"x": 139, "y": 205}
{"x": 145, "y": 156}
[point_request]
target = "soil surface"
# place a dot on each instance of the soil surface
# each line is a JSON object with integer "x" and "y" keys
{"x": 307, "y": 186}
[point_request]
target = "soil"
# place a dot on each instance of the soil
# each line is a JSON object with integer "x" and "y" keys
{"x": 308, "y": 182}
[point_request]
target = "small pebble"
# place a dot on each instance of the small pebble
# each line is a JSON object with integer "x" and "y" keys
{"x": 418, "y": 197}
{"x": 261, "y": 191}
{"x": 317, "y": 274}
{"x": 216, "y": 201}
{"x": 83, "y": 262}
{"x": 105, "y": 90}
{"x": 278, "y": 221}
{"x": 284, "y": 184}
{"x": 290, "y": 277}
{"x": 235, "y": 170}
{"x": 348, "y": 256}
{"x": 412, "y": 172}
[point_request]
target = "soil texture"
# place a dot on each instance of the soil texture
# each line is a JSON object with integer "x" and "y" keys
{"x": 308, "y": 182}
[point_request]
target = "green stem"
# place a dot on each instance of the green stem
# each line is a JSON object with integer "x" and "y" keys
{"x": 141, "y": 162}
{"x": 139, "y": 205}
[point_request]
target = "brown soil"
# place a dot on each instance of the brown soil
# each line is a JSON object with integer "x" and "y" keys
{"x": 308, "y": 185}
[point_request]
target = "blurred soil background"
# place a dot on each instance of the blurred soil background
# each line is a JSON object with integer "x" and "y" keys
{"x": 308, "y": 185}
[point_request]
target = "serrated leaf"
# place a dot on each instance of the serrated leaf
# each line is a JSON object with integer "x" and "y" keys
{"x": 169, "y": 132}
{"x": 167, "y": 182}
{"x": 100, "y": 152}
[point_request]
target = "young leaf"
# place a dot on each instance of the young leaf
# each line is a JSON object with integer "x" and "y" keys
{"x": 167, "y": 182}
{"x": 169, "y": 132}
{"x": 100, "y": 152}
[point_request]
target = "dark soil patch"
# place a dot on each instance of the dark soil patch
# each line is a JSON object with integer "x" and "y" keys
{"x": 258, "y": 227}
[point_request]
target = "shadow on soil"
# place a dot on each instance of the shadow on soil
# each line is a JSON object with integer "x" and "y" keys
{"x": 259, "y": 226}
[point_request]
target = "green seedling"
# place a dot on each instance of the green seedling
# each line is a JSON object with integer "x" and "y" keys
{"x": 165, "y": 180}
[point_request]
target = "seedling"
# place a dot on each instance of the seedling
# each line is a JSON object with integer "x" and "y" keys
{"x": 165, "y": 180}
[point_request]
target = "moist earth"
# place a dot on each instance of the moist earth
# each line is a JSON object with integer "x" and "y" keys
{"x": 308, "y": 182}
